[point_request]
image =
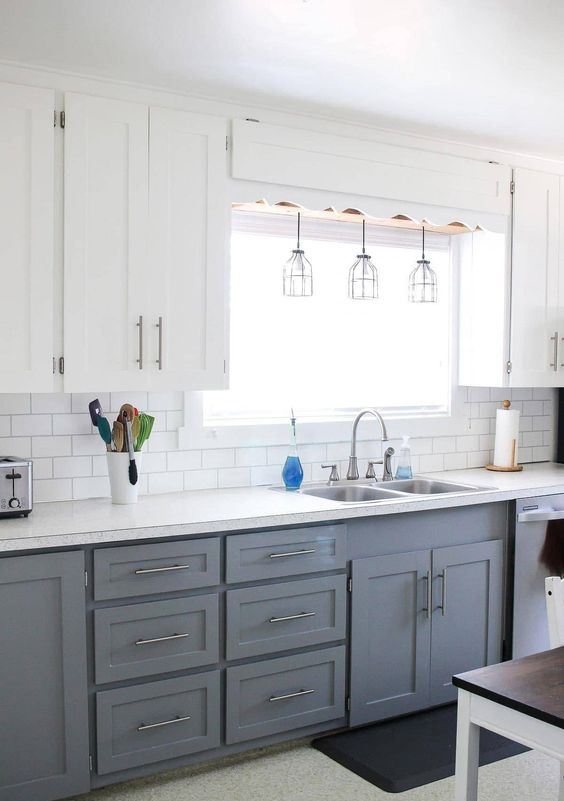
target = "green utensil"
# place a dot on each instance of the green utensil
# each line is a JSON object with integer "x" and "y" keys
{"x": 145, "y": 428}
{"x": 105, "y": 431}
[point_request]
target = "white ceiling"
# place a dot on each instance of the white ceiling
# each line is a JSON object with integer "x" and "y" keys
{"x": 486, "y": 71}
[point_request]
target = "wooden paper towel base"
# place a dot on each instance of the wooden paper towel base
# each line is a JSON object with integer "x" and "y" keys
{"x": 515, "y": 469}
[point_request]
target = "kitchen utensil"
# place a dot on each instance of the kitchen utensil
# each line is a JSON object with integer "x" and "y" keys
{"x": 95, "y": 409}
{"x": 135, "y": 428}
{"x": 105, "y": 431}
{"x": 117, "y": 435}
{"x": 146, "y": 426}
{"x": 133, "y": 476}
{"x": 130, "y": 409}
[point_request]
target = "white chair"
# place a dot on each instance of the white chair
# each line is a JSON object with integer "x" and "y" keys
{"x": 554, "y": 592}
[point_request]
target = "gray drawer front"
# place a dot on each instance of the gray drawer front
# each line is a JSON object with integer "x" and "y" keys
{"x": 119, "y": 714}
{"x": 256, "y": 702}
{"x": 262, "y": 620}
{"x": 273, "y": 554}
{"x": 164, "y": 567}
{"x": 148, "y": 638}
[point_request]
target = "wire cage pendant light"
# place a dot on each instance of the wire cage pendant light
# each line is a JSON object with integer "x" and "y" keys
{"x": 423, "y": 279}
{"x": 297, "y": 279}
{"x": 363, "y": 275}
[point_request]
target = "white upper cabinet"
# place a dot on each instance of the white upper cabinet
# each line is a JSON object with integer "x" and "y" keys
{"x": 26, "y": 238}
{"x": 537, "y": 311}
{"x": 106, "y": 215}
{"x": 189, "y": 227}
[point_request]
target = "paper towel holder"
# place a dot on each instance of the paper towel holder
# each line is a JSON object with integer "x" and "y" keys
{"x": 516, "y": 468}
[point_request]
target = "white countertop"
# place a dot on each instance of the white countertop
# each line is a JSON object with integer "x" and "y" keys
{"x": 57, "y": 525}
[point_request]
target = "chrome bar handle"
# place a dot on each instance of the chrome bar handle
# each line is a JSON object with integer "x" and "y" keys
{"x": 147, "y": 726}
{"x": 429, "y": 608}
{"x": 443, "y": 606}
{"x": 139, "y": 325}
{"x": 554, "y": 363}
{"x": 291, "y": 553}
{"x": 290, "y": 695}
{"x": 161, "y": 639}
{"x": 291, "y": 617}
{"x": 141, "y": 571}
{"x": 159, "y": 361}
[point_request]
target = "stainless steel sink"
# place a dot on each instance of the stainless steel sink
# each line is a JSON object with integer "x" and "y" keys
{"x": 352, "y": 493}
{"x": 427, "y": 486}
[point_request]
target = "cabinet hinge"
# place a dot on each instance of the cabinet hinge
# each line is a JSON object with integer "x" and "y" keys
{"x": 54, "y": 118}
{"x": 54, "y": 365}
{"x": 62, "y": 365}
{"x": 62, "y": 119}
{"x": 509, "y": 367}
{"x": 91, "y": 763}
{"x": 512, "y": 187}
{"x": 224, "y": 366}
{"x": 227, "y": 143}
{"x": 348, "y": 703}
{"x": 349, "y": 585}
{"x": 86, "y": 578}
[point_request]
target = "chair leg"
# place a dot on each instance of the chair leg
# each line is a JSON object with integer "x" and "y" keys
{"x": 467, "y": 752}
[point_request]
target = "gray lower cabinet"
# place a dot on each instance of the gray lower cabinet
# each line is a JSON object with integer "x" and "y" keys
{"x": 280, "y": 617}
{"x": 390, "y": 635}
{"x": 418, "y": 618}
{"x": 148, "y": 638}
{"x": 284, "y": 694}
{"x": 467, "y": 620}
{"x": 157, "y": 721}
{"x": 43, "y": 695}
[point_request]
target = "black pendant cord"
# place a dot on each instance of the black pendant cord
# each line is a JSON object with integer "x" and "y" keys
{"x": 363, "y": 236}
{"x": 423, "y": 243}
{"x": 299, "y": 219}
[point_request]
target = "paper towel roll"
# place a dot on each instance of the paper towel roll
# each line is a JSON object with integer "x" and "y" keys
{"x": 506, "y": 437}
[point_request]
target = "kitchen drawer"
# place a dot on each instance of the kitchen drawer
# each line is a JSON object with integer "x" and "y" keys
{"x": 284, "y": 694}
{"x": 156, "y": 568}
{"x": 156, "y": 721}
{"x": 273, "y": 554}
{"x": 262, "y": 620}
{"x": 143, "y": 639}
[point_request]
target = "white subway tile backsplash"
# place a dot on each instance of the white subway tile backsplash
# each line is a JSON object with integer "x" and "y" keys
{"x": 27, "y": 425}
{"x": 72, "y": 466}
{"x": 70, "y": 459}
{"x": 234, "y": 477}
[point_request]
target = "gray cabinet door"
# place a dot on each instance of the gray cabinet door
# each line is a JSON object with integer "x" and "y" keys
{"x": 43, "y": 701}
{"x": 467, "y": 594}
{"x": 390, "y": 635}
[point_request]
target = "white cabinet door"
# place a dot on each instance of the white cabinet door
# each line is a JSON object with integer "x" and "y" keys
{"x": 189, "y": 226}
{"x": 106, "y": 205}
{"x": 536, "y": 320}
{"x": 26, "y": 238}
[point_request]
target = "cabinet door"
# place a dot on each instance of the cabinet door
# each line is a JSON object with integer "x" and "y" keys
{"x": 467, "y": 592}
{"x": 106, "y": 198}
{"x": 189, "y": 226}
{"x": 536, "y": 327}
{"x": 44, "y": 732}
{"x": 390, "y": 635}
{"x": 26, "y": 238}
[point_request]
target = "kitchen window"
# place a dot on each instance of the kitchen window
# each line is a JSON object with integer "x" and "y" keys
{"x": 327, "y": 355}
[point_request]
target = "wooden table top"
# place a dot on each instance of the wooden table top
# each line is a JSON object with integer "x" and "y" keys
{"x": 533, "y": 685}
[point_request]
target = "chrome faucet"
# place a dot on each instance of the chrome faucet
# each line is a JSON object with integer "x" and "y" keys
{"x": 352, "y": 472}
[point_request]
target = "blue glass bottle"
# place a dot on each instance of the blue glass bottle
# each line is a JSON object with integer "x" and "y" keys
{"x": 292, "y": 472}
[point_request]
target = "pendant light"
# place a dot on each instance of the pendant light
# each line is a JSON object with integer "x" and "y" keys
{"x": 422, "y": 279}
{"x": 298, "y": 276}
{"x": 363, "y": 275}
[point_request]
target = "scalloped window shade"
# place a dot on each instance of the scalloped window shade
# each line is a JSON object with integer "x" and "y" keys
{"x": 328, "y": 355}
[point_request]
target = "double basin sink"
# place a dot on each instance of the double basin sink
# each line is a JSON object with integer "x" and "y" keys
{"x": 402, "y": 489}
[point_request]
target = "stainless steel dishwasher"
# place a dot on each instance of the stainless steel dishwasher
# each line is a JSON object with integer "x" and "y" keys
{"x": 530, "y": 627}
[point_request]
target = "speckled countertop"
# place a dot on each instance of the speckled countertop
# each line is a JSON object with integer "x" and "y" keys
{"x": 71, "y": 523}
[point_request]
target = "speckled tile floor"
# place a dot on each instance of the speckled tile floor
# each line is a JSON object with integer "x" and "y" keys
{"x": 300, "y": 773}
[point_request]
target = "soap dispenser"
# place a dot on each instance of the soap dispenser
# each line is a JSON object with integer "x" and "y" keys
{"x": 292, "y": 472}
{"x": 404, "y": 460}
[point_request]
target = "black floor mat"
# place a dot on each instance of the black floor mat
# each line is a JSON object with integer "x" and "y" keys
{"x": 407, "y": 752}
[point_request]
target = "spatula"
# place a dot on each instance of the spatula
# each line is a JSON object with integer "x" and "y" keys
{"x": 146, "y": 426}
{"x": 95, "y": 409}
{"x": 105, "y": 432}
{"x": 117, "y": 435}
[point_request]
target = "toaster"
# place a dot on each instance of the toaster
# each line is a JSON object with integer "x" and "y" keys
{"x": 15, "y": 486}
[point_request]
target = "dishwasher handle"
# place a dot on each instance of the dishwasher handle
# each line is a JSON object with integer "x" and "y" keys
{"x": 540, "y": 515}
